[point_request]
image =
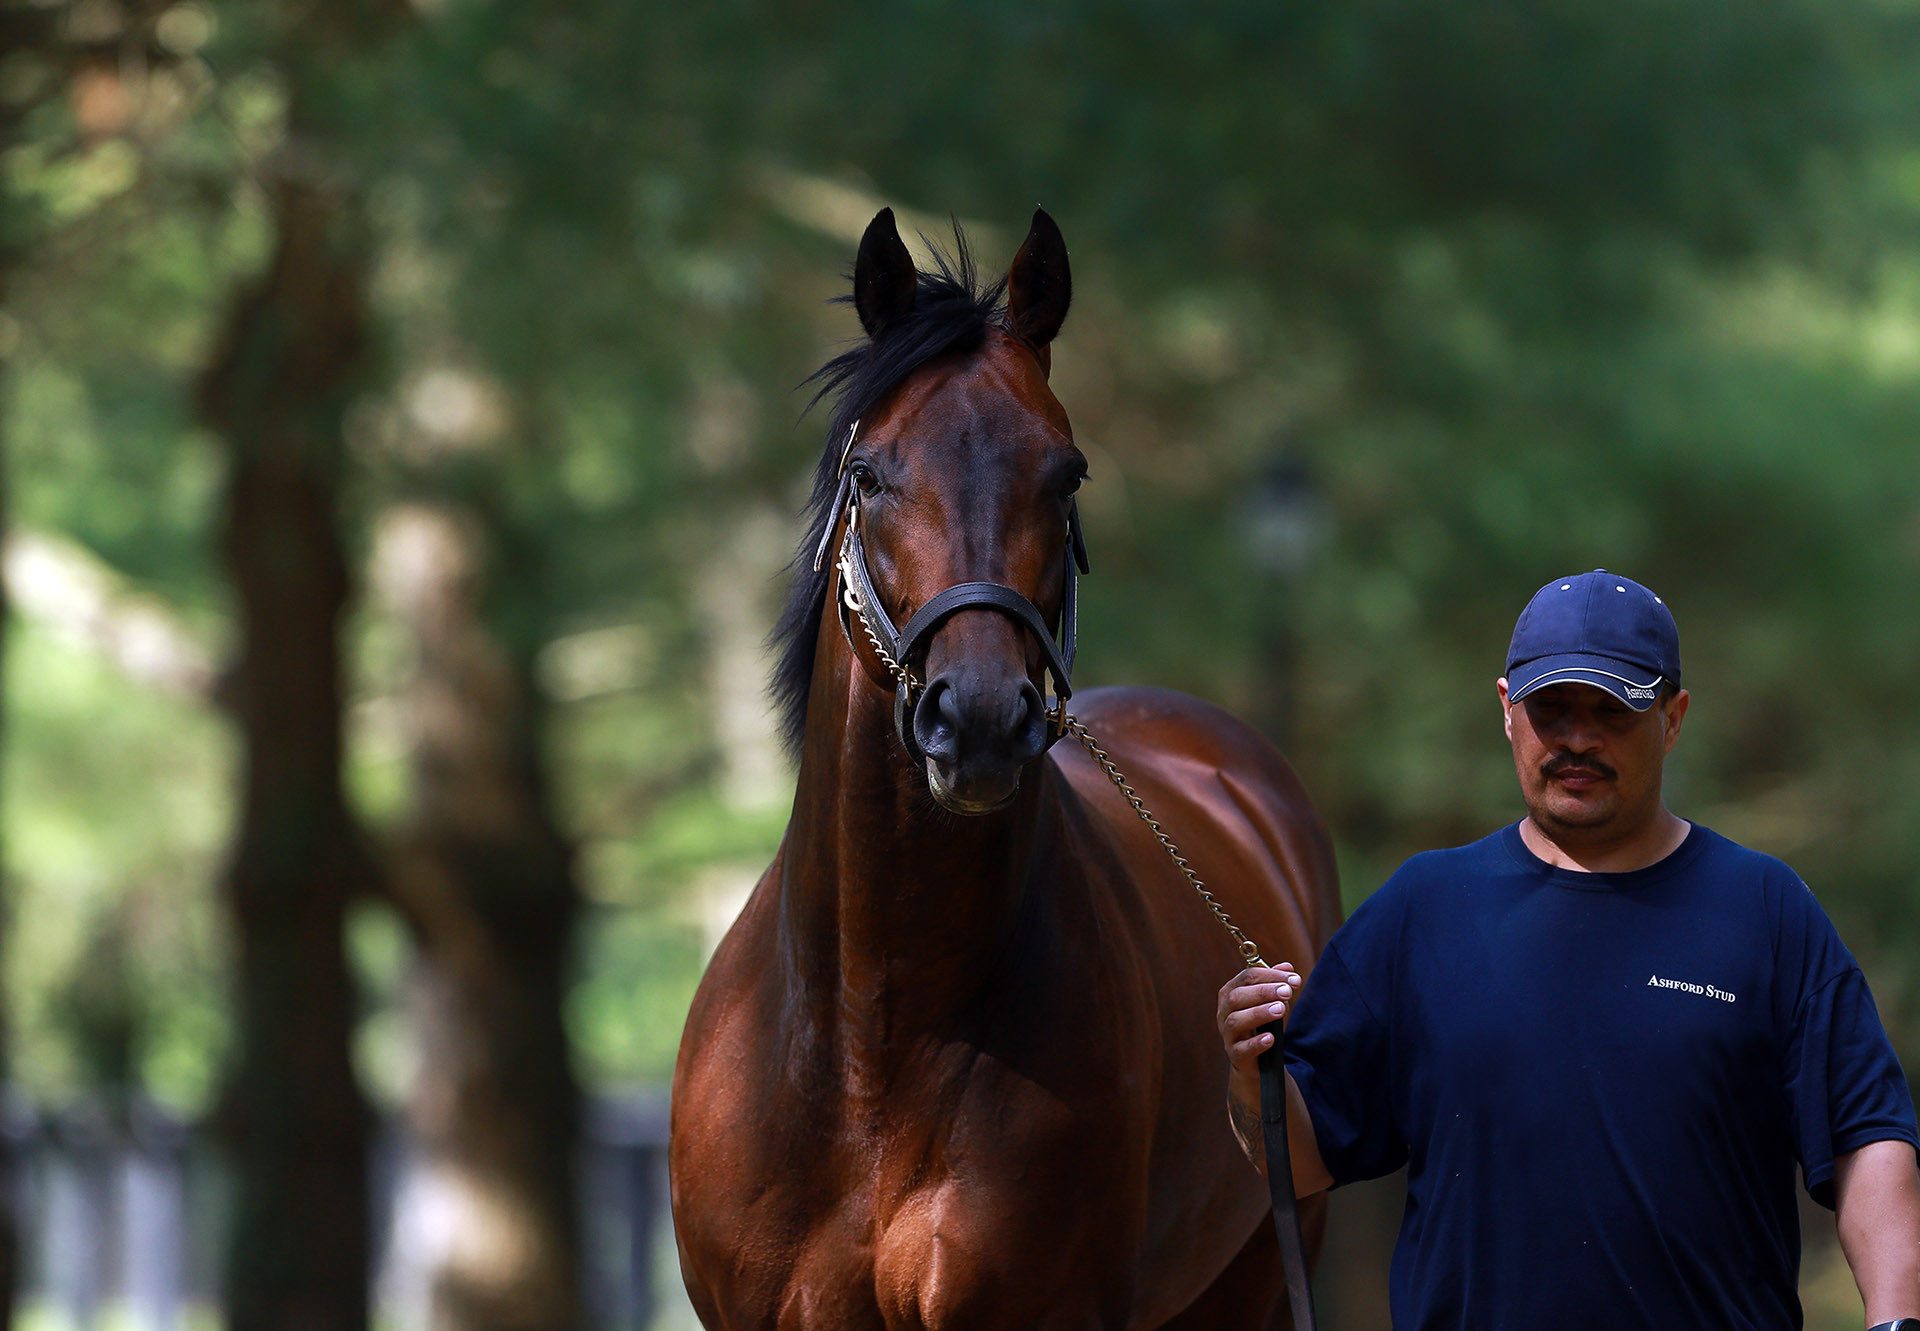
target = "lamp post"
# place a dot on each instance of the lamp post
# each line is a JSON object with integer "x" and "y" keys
{"x": 1284, "y": 523}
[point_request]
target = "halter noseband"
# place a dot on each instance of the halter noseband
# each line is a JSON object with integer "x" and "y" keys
{"x": 896, "y": 647}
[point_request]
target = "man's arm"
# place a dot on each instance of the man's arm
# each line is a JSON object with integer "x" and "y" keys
{"x": 1876, "y": 1193}
{"x": 1250, "y": 1001}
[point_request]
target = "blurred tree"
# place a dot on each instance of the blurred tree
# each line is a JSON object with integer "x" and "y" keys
{"x": 275, "y": 391}
{"x": 486, "y": 880}
{"x": 294, "y": 350}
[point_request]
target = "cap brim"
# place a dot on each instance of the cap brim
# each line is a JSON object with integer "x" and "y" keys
{"x": 1633, "y": 685}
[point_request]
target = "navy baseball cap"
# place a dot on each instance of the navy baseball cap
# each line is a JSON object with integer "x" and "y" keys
{"x": 1595, "y": 628}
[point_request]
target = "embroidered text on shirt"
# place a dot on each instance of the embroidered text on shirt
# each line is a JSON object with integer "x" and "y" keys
{"x": 1705, "y": 990}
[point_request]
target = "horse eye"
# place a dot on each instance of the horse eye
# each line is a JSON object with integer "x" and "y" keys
{"x": 864, "y": 480}
{"x": 1072, "y": 482}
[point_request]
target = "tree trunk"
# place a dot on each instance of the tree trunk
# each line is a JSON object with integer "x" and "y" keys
{"x": 9, "y": 1241}
{"x": 487, "y": 881}
{"x": 298, "y": 1129}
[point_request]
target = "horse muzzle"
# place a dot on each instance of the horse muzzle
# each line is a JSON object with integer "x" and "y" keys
{"x": 975, "y": 733}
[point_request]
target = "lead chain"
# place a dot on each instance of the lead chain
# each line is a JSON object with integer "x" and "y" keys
{"x": 1249, "y": 950}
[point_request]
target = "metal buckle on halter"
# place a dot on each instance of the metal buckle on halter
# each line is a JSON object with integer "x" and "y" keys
{"x": 903, "y": 703}
{"x": 1056, "y": 721}
{"x": 849, "y": 593}
{"x": 849, "y": 602}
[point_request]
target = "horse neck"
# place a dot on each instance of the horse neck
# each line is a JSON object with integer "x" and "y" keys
{"x": 903, "y": 910}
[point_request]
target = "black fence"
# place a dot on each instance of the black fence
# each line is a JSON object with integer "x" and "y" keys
{"x": 124, "y": 1209}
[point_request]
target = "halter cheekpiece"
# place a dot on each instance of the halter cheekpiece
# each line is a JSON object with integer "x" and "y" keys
{"x": 897, "y": 647}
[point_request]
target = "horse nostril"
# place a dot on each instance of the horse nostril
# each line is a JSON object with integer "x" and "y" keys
{"x": 936, "y": 721}
{"x": 1029, "y": 716}
{"x": 949, "y": 708}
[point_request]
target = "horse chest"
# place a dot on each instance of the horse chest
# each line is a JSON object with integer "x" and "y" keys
{"x": 952, "y": 1226}
{"x": 943, "y": 1255}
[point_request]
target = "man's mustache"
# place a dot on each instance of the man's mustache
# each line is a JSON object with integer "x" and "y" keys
{"x": 1562, "y": 763}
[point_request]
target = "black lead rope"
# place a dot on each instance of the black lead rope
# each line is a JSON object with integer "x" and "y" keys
{"x": 1286, "y": 1212}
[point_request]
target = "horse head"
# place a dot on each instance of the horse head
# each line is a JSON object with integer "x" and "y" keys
{"x": 957, "y": 484}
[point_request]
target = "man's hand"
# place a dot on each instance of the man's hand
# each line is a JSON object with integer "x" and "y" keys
{"x": 1248, "y": 1002}
{"x": 1255, "y": 998}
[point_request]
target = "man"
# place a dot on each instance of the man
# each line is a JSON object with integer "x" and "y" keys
{"x": 1600, "y": 1039}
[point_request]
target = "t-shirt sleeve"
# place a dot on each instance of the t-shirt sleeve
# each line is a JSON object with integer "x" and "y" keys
{"x": 1844, "y": 1084}
{"x": 1337, "y": 1054}
{"x": 1845, "y": 1087}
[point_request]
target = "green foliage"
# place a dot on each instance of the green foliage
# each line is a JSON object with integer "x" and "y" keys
{"x": 115, "y": 821}
{"x": 1564, "y": 285}
{"x": 625, "y": 1015}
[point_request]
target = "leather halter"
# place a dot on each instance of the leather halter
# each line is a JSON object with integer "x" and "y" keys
{"x": 901, "y": 645}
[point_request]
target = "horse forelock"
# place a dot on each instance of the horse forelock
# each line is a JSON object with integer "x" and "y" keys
{"x": 951, "y": 313}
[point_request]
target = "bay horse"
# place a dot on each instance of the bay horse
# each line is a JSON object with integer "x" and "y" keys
{"x": 955, "y": 1065}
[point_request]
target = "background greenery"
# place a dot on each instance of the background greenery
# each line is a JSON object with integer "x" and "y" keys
{"x": 1388, "y": 311}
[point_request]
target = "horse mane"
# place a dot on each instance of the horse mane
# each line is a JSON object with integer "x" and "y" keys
{"x": 951, "y": 312}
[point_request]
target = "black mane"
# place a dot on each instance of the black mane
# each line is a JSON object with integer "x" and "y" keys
{"x": 949, "y": 314}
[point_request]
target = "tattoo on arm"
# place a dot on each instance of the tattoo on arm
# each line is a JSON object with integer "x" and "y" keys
{"x": 1247, "y": 1127}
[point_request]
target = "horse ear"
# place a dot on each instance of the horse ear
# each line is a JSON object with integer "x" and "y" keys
{"x": 883, "y": 275}
{"x": 1039, "y": 285}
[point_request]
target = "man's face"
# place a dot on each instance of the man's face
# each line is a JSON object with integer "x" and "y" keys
{"x": 1587, "y": 762}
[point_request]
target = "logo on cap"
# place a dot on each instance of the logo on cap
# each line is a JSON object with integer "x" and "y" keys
{"x": 1598, "y": 629}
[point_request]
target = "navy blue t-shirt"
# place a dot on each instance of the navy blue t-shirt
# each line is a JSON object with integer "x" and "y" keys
{"x": 1600, "y": 1083}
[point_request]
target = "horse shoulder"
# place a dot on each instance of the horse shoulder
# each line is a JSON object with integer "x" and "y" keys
{"x": 1227, "y": 798}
